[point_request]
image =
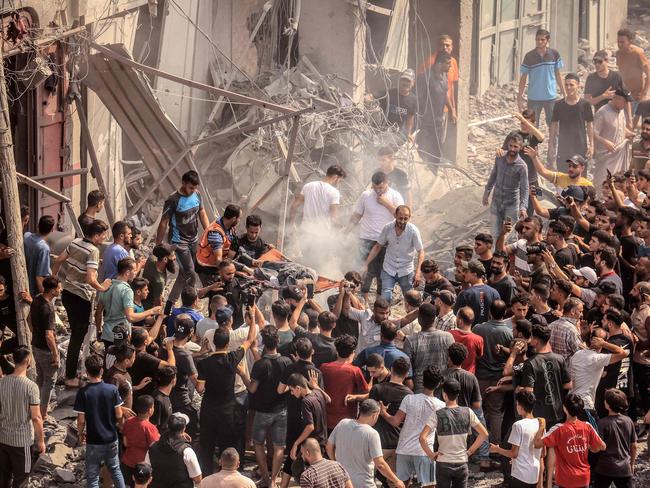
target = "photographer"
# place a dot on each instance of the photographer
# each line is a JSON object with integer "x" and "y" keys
{"x": 235, "y": 289}
{"x": 538, "y": 271}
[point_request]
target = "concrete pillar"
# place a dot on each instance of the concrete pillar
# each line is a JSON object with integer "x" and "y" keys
{"x": 464, "y": 70}
{"x": 333, "y": 37}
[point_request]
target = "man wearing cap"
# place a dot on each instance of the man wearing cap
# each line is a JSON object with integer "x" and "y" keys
{"x": 574, "y": 172}
{"x": 400, "y": 105}
{"x": 508, "y": 183}
{"x": 572, "y": 129}
{"x": 444, "y": 301}
{"x": 612, "y": 137}
{"x": 478, "y": 296}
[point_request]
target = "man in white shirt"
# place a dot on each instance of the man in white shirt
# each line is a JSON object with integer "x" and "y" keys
{"x": 319, "y": 199}
{"x": 374, "y": 209}
{"x": 402, "y": 241}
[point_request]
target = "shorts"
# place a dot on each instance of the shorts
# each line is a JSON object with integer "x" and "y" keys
{"x": 408, "y": 466}
{"x": 275, "y": 421}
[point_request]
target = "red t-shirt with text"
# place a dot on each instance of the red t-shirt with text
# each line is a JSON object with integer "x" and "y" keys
{"x": 572, "y": 441}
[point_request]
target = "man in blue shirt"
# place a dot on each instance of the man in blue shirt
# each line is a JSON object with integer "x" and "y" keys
{"x": 541, "y": 69}
{"x": 190, "y": 301}
{"x": 37, "y": 254}
{"x": 386, "y": 348}
{"x": 116, "y": 250}
{"x": 181, "y": 215}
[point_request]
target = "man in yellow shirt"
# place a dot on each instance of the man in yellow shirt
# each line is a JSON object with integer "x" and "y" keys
{"x": 573, "y": 176}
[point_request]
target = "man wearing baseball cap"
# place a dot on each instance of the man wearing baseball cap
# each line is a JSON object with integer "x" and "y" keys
{"x": 572, "y": 125}
{"x": 399, "y": 104}
{"x": 612, "y": 136}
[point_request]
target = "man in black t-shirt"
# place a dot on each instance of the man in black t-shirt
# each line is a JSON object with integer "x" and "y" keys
{"x": 397, "y": 177}
{"x": 601, "y": 85}
{"x": 216, "y": 380}
{"x": 145, "y": 364}
{"x": 269, "y": 405}
{"x": 391, "y": 393}
{"x": 313, "y": 410}
{"x": 400, "y": 105}
{"x": 546, "y": 375}
{"x": 250, "y": 246}
{"x": 572, "y": 126}
{"x": 162, "y": 405}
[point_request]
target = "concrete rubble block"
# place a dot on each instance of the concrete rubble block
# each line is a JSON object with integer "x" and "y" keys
{"x": 65, "y": 475}
{"x": 65, "y": 398}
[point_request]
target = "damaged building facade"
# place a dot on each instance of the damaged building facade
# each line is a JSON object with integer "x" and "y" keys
{"x": 83, "y": 118}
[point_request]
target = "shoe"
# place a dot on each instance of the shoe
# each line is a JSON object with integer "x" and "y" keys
{"x": 489, "y": 466}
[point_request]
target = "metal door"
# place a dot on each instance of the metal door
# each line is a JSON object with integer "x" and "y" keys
{"x": 52, "y": 146}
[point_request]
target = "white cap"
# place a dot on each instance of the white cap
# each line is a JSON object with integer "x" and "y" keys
{"x": 587, "y": 273}
{"x": 182, "y": 416}
{"x": 408, "y": 74}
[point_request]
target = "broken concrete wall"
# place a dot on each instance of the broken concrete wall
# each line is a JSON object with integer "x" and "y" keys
{"x": 332, "y": 35}
{"x": 615, "y": 18}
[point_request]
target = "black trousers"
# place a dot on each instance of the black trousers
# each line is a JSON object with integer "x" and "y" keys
{"x": 6, "y": 348}
{"x": 78, "y": 311}
{"x": 15, "y": 466}
{"x": 220, "y": 427}
{"x": 602, "y": 481}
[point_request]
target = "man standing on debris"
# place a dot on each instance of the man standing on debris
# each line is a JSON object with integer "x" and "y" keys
{"x": 572, "y": 130}
{"x": 633, "y": 65}
{"x": 20, "y": 422}
{"x": 397, "y": 177}
{"x": 509, "y": 180}
{"x": 612, "y": 137}
{"x": 319, "y": 199}
{"x": 216, "y": 244}
{"x": 374, "y": 209}
{"x": 81, "y": 260}
{"x": 432, "y": 92}
{"x": 402, "y": 240}
{"x": 182, "y": 212}
{"x": 601, "y": 84}
{"x": 541, "y": 69}
{"x": 400, "y": 105}
{"x": 116, "y": 251}
{"x": 94, "y": 204}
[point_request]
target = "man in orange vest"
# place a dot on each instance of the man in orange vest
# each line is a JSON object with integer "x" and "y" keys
{"x": 218, "y": 242}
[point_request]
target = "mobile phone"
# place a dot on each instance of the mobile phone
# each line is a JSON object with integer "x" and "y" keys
{"x": 310, "y": 290}
{"x": 250, "y": 300}
{"x": 609, "y": 173}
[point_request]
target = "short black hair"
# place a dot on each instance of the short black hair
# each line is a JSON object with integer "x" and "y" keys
{"x": 166, "y": 375}
{"x": 142, "y": 404}
{"x": 253, "y": 220}
{"x": 381, "y": 303}
{"x": 457, "y": 353}
{"x": 526, "y": 400}
{"x": 574, "y": 404}
{"x": 139, "y": 337}
{"x": 45, "y": 224}
{"x": 617, "y": 400}
{"x": 543, "y": 33}
{"x": 139, "y": 283}
{"x": 388, "y": 330}
{"x": 336, "y": 170}
{"x": 20, "y": 354}
{"x": 95, "y": 227}
{"x": 426, "y": 315}
{"x": 95, "y": 197}
{"x": 345, "y": 345}
{"x": 326, "y": 321}
{"x": 221, "y": 338}
{"x": 614, "y": 315}
{"x": 431, "y": 378}
{"x": 625, "y": 32}
{"x": 401, "y": 367}
{"x": 608, "y": 256}
{"x": 451, "y": 387}
{"x": 50, "y": 283}
{"x": 281, "y": 309}
{"x": 296, "y": 379}
{"x": 231, "y": 211}
{"x": 189, "y": 296}
{"x": 125, "y": 264}
{"x": 304, "y": 347}
{"x": 191, "y": 177}
{"x": 484, "y": 237}
{"x": 125, "y": 351}
{"x": 375, "y": 360}
{"x": 120, "y": 227}
{"x": 522, "y": 298}
{"x": 270, "y": 337}
{"x": 541, "y": 333}
{"x": 524, "y": 327}
{"x": 94, "y": 365}
{"x": 378, "y": 178}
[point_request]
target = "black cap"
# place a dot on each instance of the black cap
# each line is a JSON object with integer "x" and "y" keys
{"x": 577, "y": 159}
{"x": 224, "y": 314}
{"x": 576, "y": 192}
{"x": 120, "y": 334}
{"x": 622, "y": 92}
{"x": 605, "y": 288}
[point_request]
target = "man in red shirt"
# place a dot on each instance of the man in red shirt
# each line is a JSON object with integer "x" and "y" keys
{"x": 463, "y": 334}
{"x": 342, "y": 378}
{"x": 572, "y": 441}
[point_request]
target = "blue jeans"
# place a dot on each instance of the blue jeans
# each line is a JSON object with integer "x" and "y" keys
{"x": 109, "y": 453}
{"x": 547, "y": 106}
{"x": 498, "y": 214}
{"x": 388, "y": 283}
{"x": 484, "y": 450}
{"x": 422, "y": 467}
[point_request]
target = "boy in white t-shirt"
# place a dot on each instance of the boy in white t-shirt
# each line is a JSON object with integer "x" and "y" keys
{"x": 525, "y": 457}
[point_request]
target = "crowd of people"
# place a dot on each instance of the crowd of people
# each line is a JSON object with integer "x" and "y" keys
{"x": 530, "y": 355}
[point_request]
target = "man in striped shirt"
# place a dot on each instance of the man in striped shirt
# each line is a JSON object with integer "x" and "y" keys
{"x": 81, "y": 259}
{"x": 321, "y": 473}
{"x": 20, "y": 422}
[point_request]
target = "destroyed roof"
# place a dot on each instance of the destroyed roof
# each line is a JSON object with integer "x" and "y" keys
{"x": 127, "y": 94}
